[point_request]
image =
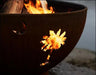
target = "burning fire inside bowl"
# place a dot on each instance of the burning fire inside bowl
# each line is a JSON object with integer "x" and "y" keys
{"x": 39, "y": 8}
{"x": 31, "y": 6}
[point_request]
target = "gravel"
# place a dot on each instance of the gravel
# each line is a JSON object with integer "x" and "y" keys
{"x": 68, "y": 69}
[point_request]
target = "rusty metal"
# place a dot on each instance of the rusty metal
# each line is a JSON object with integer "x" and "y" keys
{"x": 22, "y": 53}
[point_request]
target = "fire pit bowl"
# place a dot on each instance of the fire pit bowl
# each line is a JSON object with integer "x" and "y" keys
{"x": 20, "y": 36}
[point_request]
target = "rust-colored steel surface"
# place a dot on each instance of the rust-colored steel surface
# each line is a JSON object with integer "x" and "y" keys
{"x": 21, "y": 53}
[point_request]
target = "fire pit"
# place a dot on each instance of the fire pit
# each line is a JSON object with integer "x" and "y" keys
{"x": 23, "y": 36}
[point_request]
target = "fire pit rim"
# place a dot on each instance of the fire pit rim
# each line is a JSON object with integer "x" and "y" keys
{"x": 73, "y": 12}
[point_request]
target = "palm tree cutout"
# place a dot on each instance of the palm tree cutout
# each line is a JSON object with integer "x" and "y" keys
{"x": 52, "y": 42}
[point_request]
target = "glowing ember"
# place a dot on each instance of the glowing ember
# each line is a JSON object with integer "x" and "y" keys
{"x": 39, "y": 8}
{"x": 54, "y": 41}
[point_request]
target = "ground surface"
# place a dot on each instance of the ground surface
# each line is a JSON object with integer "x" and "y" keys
{"x": 79, "y": 62}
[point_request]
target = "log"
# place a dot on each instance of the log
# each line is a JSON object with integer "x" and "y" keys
{"x": 13, "y": 7}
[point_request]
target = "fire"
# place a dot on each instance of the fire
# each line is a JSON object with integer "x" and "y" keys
{"x": 39, "y": 8}
{"x": 54, "y": 41}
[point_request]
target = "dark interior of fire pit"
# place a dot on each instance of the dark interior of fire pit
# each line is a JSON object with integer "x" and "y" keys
{"x": 2, "y": 2}
{"x": 65, "y": 6}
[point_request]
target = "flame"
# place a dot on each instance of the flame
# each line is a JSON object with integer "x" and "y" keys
{"x": 43, "y": 64}
{"x": 39, "y": 8}
{"x": 54, "y": 41}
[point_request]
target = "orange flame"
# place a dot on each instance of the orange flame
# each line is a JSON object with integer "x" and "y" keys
{"x": 54, "y": 41}
{"x": 39, "y": 8}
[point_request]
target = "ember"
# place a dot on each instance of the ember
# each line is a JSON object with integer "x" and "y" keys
{"x": 54, "y": 41}
{"x": 39, "y": 8}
